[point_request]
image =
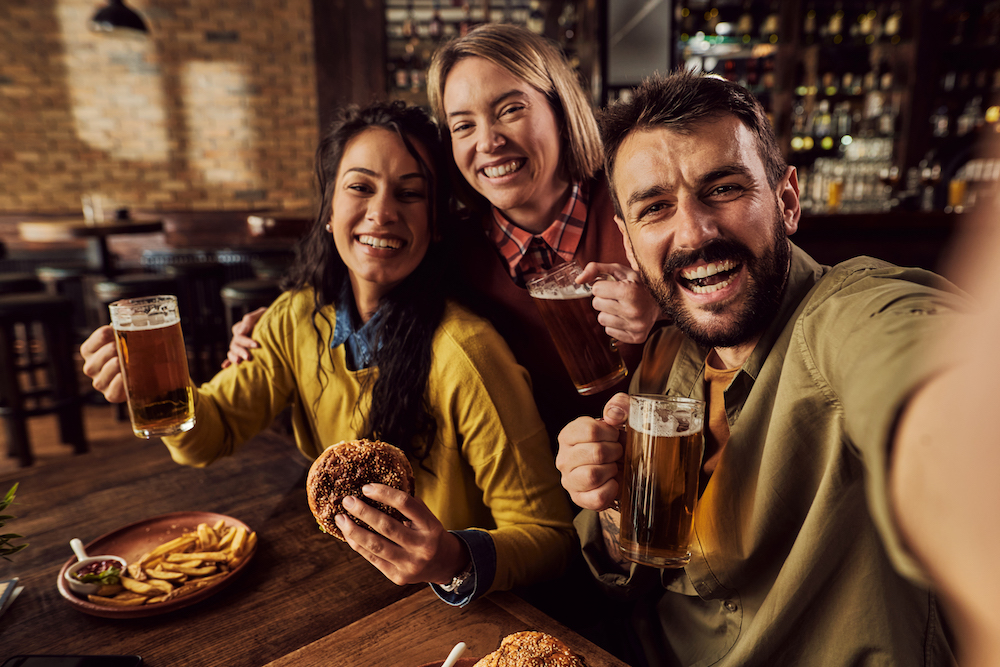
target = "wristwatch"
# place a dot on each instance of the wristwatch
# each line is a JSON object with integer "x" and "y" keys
{"x": 458, "y": 579}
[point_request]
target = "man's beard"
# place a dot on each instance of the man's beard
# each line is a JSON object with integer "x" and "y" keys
{"x": 766, "y": 274}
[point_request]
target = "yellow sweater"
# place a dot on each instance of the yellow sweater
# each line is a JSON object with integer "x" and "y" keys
{"x": 491, "y": 462}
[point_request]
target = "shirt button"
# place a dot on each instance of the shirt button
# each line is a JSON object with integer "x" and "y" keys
{"x": 730, "y": 605}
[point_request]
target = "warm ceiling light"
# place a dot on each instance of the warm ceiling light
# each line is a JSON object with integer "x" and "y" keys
{"x": 116, "y": 16}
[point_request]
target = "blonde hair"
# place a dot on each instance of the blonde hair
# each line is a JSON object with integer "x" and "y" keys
{"x": 539, "y": 63}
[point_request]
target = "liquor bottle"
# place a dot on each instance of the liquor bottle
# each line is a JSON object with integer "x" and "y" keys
{"x": 809, "y": 25}
{"x": 536, "y": 18}
{"x": 409, "y": 25}
{"x": 835, "y": 24}
{"x": 435, "y": 27}
{"x": 465, "y": 23}
{"x": 892, "y": 29}
{"x": 744, "y": 26}
{"x": 770, "y": 25}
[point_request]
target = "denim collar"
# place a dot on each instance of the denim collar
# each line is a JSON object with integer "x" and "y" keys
{"x": 359, "y": 343}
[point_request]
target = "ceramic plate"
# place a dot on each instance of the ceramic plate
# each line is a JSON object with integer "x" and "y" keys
{"x": 132, "y": 541}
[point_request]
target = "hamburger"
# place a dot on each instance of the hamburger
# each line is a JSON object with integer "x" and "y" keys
{"x": 531, "y": 649}
{"x": 342, "y": 469}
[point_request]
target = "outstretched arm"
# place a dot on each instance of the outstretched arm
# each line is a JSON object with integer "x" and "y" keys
{"x": 946, "y": 456}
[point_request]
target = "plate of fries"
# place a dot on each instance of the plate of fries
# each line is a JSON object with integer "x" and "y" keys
{"x": 174, "y": 560}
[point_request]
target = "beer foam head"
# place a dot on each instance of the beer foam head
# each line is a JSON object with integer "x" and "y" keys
{"x": 143, "y": 321}
{"x": 144, "y": 313}
{"x": 666, "y": 421}
{"x": 551, "y": 291}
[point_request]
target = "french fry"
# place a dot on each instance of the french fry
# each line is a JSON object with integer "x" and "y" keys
{"x": 156, "y": 573}
{"x": 238, "y": 539}
{"x": 193, "y": 571}
{"x": 107, "y": 590}
{"x": 208, "y": 556}
{"x": 149, "y": 588}
{"x": 117, "y": 602}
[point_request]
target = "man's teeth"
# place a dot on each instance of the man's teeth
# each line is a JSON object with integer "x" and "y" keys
{"x": 503, "y": 169}
{"x": 380, "y": 242}
{"x": 708, "y": 270}
{"x": 708, "y": 289}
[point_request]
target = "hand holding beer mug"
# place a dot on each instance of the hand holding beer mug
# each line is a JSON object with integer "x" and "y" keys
{"x": 589, "y": 354}
{"x": 663, "y": 454}
{"x": 154, "y": 365}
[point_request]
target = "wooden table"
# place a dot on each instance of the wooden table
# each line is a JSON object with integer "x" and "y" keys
{"x": 420, "y": 629}
{"x": 65, "y": 229}
{"x": 300, "y": 586}
{"x": 305, "y": 598}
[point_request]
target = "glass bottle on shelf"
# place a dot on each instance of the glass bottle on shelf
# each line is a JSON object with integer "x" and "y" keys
{"x": 435, "y": 27}
{"x": 536, "y": 18}
{"x": 409, "y": 24}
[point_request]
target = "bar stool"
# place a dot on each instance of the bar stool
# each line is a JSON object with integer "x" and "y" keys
{"x": 202, "y": 317}
{"x": 72, "y": 284}
{"x": 38, "y": 370}
{"x": 19, "y": 283}
{"x": 242, "y": 296}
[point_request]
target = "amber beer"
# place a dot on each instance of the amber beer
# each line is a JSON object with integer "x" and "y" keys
{"x": 588, "y": 353}
{"x": 663, "y": 454}
{"x": 154, "y": 365}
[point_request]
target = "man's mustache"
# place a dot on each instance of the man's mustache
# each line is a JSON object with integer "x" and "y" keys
{"x": 714, "y": 251}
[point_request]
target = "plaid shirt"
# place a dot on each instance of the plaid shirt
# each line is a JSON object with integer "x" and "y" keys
{"x": 528, "y": 254}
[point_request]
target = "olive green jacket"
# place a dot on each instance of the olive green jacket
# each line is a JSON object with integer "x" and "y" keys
{"x": 796, "y": 559}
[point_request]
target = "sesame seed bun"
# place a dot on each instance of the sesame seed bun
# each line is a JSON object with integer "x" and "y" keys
{"x": 531, "y": 649}
{"x": 342, "y": 469}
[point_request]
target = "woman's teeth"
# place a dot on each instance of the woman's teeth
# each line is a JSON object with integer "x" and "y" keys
{"x": 375, "y": 242}
{"x": 503, "y": 169}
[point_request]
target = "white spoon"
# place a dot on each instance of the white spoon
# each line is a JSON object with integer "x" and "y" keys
{"x": 455, "y": 654}
{"x": 84, "y": 560}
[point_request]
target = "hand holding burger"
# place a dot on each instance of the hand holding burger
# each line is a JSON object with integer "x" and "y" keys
{"x": 361, "y": 491}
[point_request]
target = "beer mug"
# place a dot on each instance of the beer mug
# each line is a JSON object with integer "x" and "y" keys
{"x": 154, "y": 365}
{"x": 588, "y": 353}
{"x": 663, "y": 452}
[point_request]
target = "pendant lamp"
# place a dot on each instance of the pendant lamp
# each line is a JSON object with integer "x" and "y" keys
{"x": 116, "y": 16}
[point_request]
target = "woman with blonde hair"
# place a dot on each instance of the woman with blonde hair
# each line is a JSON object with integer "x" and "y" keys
{"x": 525, "y": 142}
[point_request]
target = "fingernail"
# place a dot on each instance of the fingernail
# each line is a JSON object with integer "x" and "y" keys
{"x": 616, "y": 413}
{"x": 367, "y": 489}
{"x": 349, "y": 502}
{"x": 340, "y": 520}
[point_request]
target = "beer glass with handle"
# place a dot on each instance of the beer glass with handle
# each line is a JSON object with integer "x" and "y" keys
{"x": 663, "y": 452}
{"x": 588, "y": 353}
{"x": 154, "y": 365}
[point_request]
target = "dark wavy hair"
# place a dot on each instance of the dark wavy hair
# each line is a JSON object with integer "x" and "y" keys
{"x": 410, "y": 312}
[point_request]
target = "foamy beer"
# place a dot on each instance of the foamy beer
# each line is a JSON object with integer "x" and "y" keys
{"x": 154, "y": 365}
{"x": 663, "y": 454}
{"x": 589, "y": 354}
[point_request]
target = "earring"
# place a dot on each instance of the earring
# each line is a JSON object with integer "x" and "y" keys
{"x": 328, "y": 228}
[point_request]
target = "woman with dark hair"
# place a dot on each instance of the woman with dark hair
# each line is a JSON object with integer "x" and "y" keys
{"x": 364, "y": 343}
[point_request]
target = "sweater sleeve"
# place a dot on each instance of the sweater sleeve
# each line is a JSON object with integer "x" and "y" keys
{"x": 243, "y": 399}
{"x": 504, "y": 441}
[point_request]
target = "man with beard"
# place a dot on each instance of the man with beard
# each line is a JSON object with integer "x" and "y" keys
{"x": 797, "y": 555}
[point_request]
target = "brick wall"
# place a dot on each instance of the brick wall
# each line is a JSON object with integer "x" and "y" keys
{"x": 216, "y": 109}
